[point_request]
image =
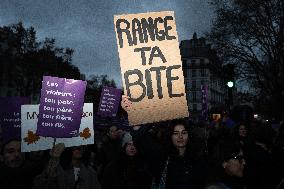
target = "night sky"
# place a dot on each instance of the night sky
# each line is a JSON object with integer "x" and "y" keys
{"x": 87, "y": 25}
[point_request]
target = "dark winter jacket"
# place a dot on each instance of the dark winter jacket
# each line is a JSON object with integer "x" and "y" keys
{"x": 65, "y": 179}
{"x": 126, "y": 173}
{"x": 22, "y": 177}
{"x": 187, "y": 172}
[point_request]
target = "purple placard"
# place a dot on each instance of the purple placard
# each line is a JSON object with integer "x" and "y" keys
{"x": 10, "y": 117}
{"x": 110, "y": 99}
{"x": 204, "y": 90}
{"x": 61, "y": 107}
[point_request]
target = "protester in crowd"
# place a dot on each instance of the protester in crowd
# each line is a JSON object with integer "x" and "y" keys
{"x": 39, "y": 160}
{"x": 66, "y": 170}
{"x": 128, "y": 171}
{"x": 109, "y": 150}
{"x": 173, "y": 166}
{"x": 89, "y": 155}
{"x": 261, "y": 170}
{"x": 278, "y": 151}
{"x": 227, "y": 121}
{"x": 228, "y": 168}
{"x": 15, "y": 171}
{"x": 215, "y": 136}
{"x": 242, "y": 130}
{"x": 200, "y": 133}
{"x": 242, "y": 136}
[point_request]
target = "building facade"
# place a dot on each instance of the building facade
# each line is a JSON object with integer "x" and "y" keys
{"x": 202, "y": 67}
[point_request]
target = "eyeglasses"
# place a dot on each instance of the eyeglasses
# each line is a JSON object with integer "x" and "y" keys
{"x": 238, "y": 157}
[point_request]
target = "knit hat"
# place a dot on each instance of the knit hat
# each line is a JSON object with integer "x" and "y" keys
{"x": 126, "y": 138}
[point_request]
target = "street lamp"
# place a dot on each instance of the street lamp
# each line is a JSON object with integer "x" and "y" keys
{"x": 230, "y": 84}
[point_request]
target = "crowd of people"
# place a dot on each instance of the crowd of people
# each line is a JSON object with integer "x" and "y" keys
{"x": 175, "y": 154}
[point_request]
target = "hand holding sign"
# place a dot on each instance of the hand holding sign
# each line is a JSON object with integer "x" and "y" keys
{"x": 57, "y": 150}
{"x": 126, "y": 103}
{"x": 55, "y": 154}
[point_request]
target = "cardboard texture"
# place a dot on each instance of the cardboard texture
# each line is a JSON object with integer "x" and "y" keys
{"x": 151, "y": 66}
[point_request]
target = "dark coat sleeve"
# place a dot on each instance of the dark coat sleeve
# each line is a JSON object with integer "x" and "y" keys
{"x": 43, "y": 181}
{"x": 153, "y": 153}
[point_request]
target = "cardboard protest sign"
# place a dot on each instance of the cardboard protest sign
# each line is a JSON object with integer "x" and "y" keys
{"x": 151, "y": 66}
{"x": 33, "y": 142}
{"x": 10, "y": 116}
{"x": 110, "y": 100}
{"x": 61, "y": 107}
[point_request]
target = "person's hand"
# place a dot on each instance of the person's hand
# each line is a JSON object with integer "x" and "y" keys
{"x": 55, "y": 154}
{"x": 57, "y": 150}
{"x": 126, "y": 103}
{"x": 136, "y": 127}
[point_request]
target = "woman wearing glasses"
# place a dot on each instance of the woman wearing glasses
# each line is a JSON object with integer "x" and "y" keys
{"x": 230, "y": 166}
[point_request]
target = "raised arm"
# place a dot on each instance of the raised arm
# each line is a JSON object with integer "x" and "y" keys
{"x": 144, "y": 141}
{"x": 126, "y": 104}
{"x": 49, "y": 178}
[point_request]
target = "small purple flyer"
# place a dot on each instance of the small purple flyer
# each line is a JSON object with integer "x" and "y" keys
{"x": 10, "y": 117}
{"x": 110, "y": 99}
{"x": 61, "y": 107}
